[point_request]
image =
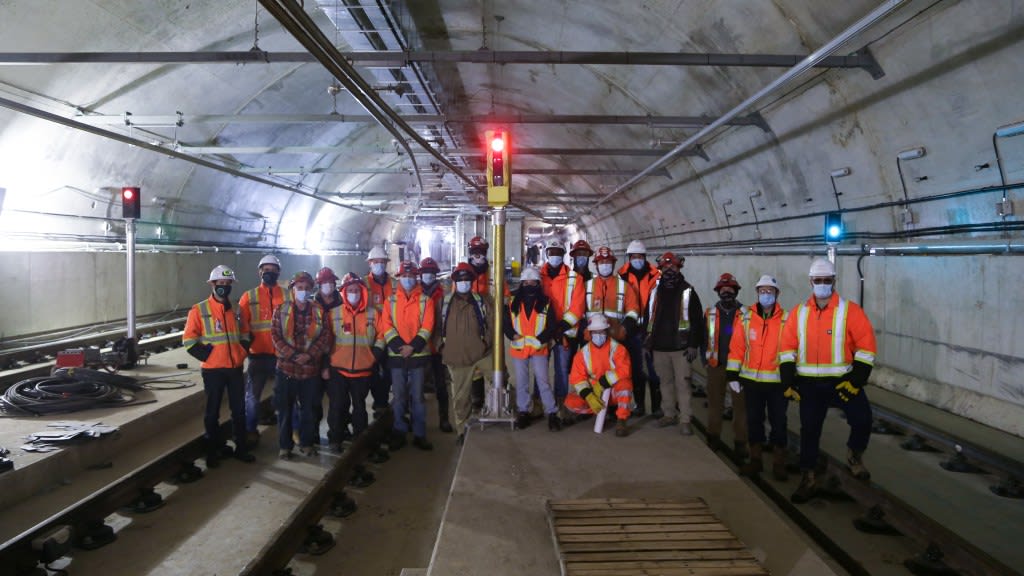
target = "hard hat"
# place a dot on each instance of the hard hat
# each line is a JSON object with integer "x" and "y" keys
{"x": 669, "y": 258}
{"x": 326, "y": 275}
{"x": 269, "y": 259}
{"x": 604, "y": 254}
{"x": 376, "y": 253}
{"x": 555, "y": 244}
{"x": 408, "y": 268}
{"x": 767, "y": 280}
{"x": 464, "y": 271}
{"x": 428, "y": 264}
{"x": 302, "y": 276}
{"x": 821, "y": 268}
{"x": 727, "y": 280}
{"x": 636, "y": 247}
{"x": 581, "y": 246}
{"x": 350, "y": 279}
{"x": 478, "y": 244}
{"x": 530, "y": 273}
{"x": 222, "y": 272}
{"x": 597, "y": 322}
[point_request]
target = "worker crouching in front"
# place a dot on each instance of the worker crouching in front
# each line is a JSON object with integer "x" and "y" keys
{"x": 600, "y": 365}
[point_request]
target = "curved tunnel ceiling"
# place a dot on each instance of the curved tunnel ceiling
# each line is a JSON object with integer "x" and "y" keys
{"x": 306, "y": 167}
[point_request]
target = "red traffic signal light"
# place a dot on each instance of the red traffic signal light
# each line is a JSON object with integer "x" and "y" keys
{"x": 131, "y": 202}
{"x": 498, "y": 143}
{"x": 497, "y": 159}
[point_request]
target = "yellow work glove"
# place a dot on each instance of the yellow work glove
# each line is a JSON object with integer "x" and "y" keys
{"x": 846, "y": 391}
{"x": 593, "y": 399}
{"x": 792, "y": 394}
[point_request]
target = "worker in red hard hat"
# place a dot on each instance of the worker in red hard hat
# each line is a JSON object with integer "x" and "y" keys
{"x": 438, "y": 376}
{"x": 719, "y": 321}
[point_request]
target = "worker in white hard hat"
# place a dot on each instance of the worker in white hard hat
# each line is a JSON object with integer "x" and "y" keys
{"x": 256, "y": 308}
{"x": 601, "y": 364}
{"x": 213, "y": 336}
{"x": 530, "y": 326}
{"x": 827, "y": 353}
{"x": 643, "y": 277}
{"x": 565, "y": 291}
{"x": 753, "y": 368}
{"x": 380, "y": 286}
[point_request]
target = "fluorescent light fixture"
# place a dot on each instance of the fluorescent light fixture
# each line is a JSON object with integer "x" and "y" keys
{"x": 840, "y": 173}
{"x": 1015, "y": 129}
{"x": 911, "y": 154}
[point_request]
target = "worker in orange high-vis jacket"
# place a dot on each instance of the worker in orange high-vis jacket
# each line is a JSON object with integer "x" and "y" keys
{"x": 213, "y": 336}
{"x": 564, "y": 289}
{"x": 380, "y": 286}
{"x": 408, "y": 326}
{"x": 357, "y": 347}
{"x": 643, "y": 278}
{"x": 529, "y": 325}
{"x": 610, "y": 295}
{"x": 434, "y": 289}
{"x": 827, "y": 353}
{"x": 754, "y": 369}
{"x": 257, "y": 308}
{"x": 719, "y": 320}
{"x": 601, "y": 364}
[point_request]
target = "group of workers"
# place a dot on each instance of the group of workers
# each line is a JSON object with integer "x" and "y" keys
{"x": 622, "y": 341}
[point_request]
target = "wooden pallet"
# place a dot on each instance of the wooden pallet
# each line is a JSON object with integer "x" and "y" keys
{"x": 620, "y": 537}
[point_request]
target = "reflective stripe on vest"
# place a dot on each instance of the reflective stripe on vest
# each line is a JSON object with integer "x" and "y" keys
{"x": 422, "y": 332}
{"x": 528, "y": 340}
{"x": 570, "y": 286}
{"x": 684, "y": 316}
{"x": 838, "y": 365}
{"x": 745, "y": 370}
{"x": 256, "y": 322}
{"x": 612, "y": 375}
{"x": 620, "y": 295}
{"x": 316, "y": 325}
{"x": 713, "y": 320}
{"x": 355, "y": 338}
{"x": 213, "y": 332}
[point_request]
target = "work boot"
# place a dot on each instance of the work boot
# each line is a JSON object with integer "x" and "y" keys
{"x": 284, "y": 454}
{"x": 522, "y": 420}
{"x": 807, "y": 488}
{"x": 739, "y": 451}
{"x": 727, "y": 413}
{"x": 715, "y": 443}
{"x": 397, "y": 441}
{"x": 252, "y": 439}
{"x": 308, "y": 451}
{"x": 666, "y": 421}
{"x": 620, "y": 429}
{"x": 554, "y": 423}
{"x": 422, "y": 443}
{"x": 779, "y": 464}
{"x": 244, "y": 456}
{"x": 756, "y": 464}
{"x": 856, "y": 466}
{"x": 213, "y": 460}
{"x": 686, "y": 429}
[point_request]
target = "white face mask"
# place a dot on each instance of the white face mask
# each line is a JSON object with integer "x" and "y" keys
{"x": 554, "y": 261}
{"x": 377, "y": 269}
{"x": 604, "y": 269}
{"x": 428, "y": 278}
{"x": 463, "y": 286}
{"x": 326, "y": 289}
{"x": 478, "y": 259}
{"x": 353, "y": 297}
{"x": 822, "y": 290}
{"x": 598, "y": 339}
{"x": 407, "y": 283}
{"x": 637, "y": 263}
{"x": 582, "y": 261}
{"x": 300, "y": 295}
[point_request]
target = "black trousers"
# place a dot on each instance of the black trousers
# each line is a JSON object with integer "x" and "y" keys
{"x": 816, "y": 395}
{"x": 215, "y": 382}
{"x": 765, "y": 399}
{"x": 347, "y": 397}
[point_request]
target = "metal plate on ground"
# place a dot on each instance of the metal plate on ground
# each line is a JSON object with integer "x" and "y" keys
{"x": 623, "y": 537}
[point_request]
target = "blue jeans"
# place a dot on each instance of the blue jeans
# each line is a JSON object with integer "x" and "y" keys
{"x": 407, "y": 388}
{"x": 261, "y": 369}
{"x": 561, "y": 354}
{"x": 816, "y": 395}
{"x": 287, "y": 392}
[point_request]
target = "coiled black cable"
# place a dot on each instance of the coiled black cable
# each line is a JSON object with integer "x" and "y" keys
{"x": 64, "y": 392}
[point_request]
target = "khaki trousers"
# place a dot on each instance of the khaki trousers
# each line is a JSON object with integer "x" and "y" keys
{"x": 674, "y": 371}
{"x": 461, "y": 383}
{"x": 717, "y": 388}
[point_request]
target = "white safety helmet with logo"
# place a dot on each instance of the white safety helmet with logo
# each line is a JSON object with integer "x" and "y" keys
{"x": 767, "y": 281}
{"x": 597, "y": 322}
{"x": 555, "y": 244}
{"x": 821, "y": 268}
{"x": 636, "y": 247}
{"x": 530, "y": 273}
{"x": 222, "y": 272}
{"x": 269, "y": 259}
{"x": 376, "y": 253}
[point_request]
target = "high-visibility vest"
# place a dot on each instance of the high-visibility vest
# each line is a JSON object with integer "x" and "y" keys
{"x": 379, "y": 293}
{"x": 560, "y": 290}
{"x": 588, "y": 362}
{"x": 313, "y": 329}
{"x": 824, "y": 343}
{"x": 529, "y": 326}
{"x": 355, "y": 333}
{"x": 714, "y": 322}
{"x": 619, "y": 312}
{"x": 395, "y": 330}
{"x": 205, "y": 326}
{"x": 644, "y": 285}
{"x": 258, "y": 315}
{"x": 684, "y": 309}
{"x": 754, "y": 351}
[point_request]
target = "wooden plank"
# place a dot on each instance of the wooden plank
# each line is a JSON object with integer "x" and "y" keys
{"x": 621, "y": 504}
{"x": 634, "y": 520}
{"x": 641, "y": 528}
{"x": 647, "y": 537}
{"x": 696, "y": 511}
{"x": 671, "y": 545}
{"x": 659, "y": 555}
{"x": 694, "y": 564}
{"x": 723, "y": 571}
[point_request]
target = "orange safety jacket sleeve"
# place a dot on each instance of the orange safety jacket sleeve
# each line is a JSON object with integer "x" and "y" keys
{"x": 859, "y": 340}
{"x": 214, "y": 341}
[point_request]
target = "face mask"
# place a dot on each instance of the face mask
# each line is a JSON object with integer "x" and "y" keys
{"x": 582, "y": 261}
{"x": 270, "y": 278}
{"x": 530, "y": 290}
{"x": 408, "y": 283}
{"x": 637, "y": 263}
{"x": 353, "y": 297}
{"x": 670, "y": 278}
{"x": 554, "y": 261}
{"x": 478, "y": 259}
{"x": 604, "y": 269}
{"x": 377, "y": 269}
{"x": 766, "y": 300}
{"x": 726, "y": 296}
{"x": 222, "y": 291}
{"x": 428, "y": 278}
{"x": 822, "y": 290}
{"x": 463, "y": 286}
{"x": 598, "y": 339}
{"x": 300, "y": 295}
{"x": 326, "y": 289}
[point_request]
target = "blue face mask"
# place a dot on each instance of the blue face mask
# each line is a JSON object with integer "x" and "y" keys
{"x": 408, "y": 283}
{"x": 554, "y": 261}
{"x": 766, "y": 300}
{"x": 582, "y": 261}
{"x": 604, "y": 269}
{"x": 822, "y": 290}
{"x": 428, "y": 278}
{"x": 598, "y": 339}
{"x": 637, "y": 263}
{"x": 377, "y": 269}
